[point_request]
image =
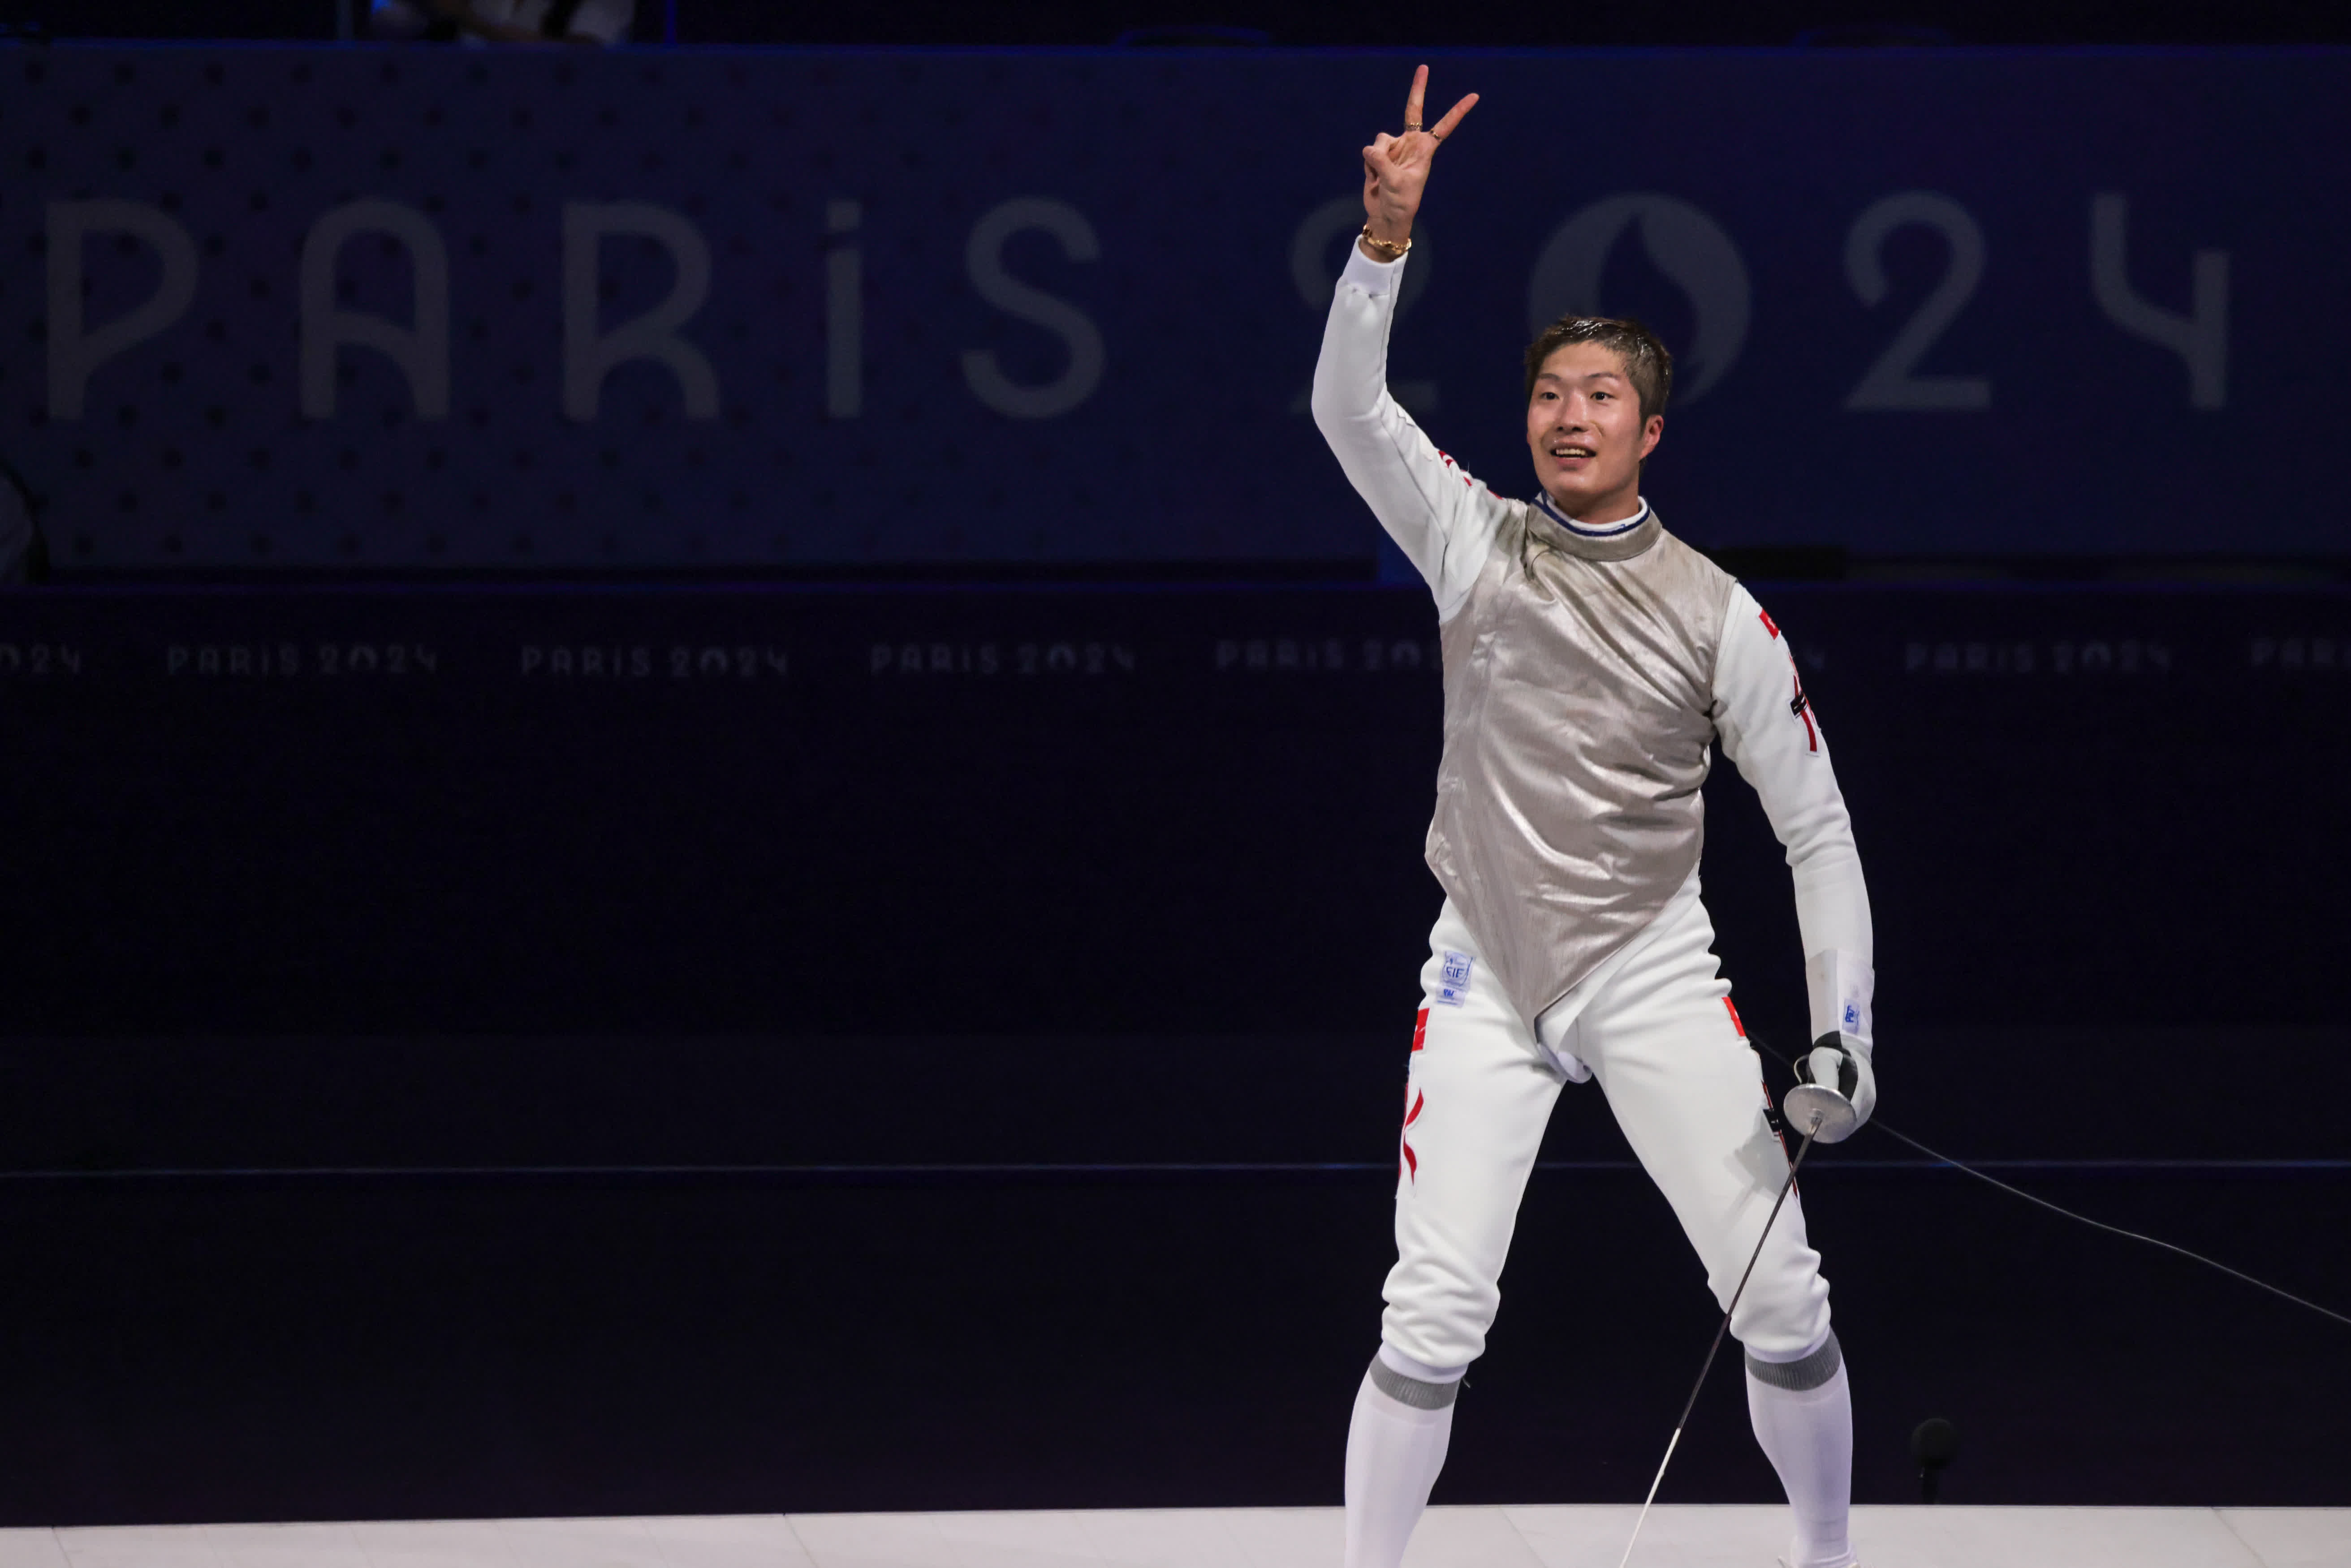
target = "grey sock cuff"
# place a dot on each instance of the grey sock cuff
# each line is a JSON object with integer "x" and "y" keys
{"x": 1412, "y": 1391}
{"x": 1797, "y": 1376}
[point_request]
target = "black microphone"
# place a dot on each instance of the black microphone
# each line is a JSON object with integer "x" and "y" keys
{"x": 1934, "y": 1444}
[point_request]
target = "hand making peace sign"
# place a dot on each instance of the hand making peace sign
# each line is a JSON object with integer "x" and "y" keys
{"x": 1396, "y": 172}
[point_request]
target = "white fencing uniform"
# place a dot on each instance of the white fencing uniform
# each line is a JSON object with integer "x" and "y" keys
{"x": 1656, "y": 1029}
{"x": 1588, "y": 671}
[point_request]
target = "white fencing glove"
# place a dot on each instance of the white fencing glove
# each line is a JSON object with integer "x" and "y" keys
{"x": 1835, "y": 1088}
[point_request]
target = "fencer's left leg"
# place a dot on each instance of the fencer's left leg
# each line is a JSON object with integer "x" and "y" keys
{"x": 1689, "y": 1095}
{"x": 1802, "y": 1414}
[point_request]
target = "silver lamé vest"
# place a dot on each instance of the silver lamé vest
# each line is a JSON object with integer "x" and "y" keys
{"x": 1579, "y": 711}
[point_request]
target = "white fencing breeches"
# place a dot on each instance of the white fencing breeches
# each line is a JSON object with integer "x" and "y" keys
{"x": 1655, "y": 1027}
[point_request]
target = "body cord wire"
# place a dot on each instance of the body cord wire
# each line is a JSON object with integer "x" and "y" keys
{"x": 2038, "y": 1202}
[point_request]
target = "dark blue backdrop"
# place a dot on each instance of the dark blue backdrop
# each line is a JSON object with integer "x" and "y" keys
{"x": 1011, "y": 811}
{"x": 1054, "y": 308}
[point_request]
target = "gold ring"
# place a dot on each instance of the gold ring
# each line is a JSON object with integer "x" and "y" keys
{"x": 1409, "y": 127}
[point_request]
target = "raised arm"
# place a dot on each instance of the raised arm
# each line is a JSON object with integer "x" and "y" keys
{"x": 1439, "y": 516}
{"x": 1769, "y": 731}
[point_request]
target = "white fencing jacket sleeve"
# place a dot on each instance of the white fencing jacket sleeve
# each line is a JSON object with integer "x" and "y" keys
{"x": 1441, "y": 517}
{"x": 1769, "y": 731}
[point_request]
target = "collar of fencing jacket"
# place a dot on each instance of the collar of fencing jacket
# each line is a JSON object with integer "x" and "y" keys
{"x": 1549, "y": 527}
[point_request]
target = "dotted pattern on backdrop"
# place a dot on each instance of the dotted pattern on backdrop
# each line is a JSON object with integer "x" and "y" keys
{"x": 1207, "y": 195}
{"x": 193, "y": 451}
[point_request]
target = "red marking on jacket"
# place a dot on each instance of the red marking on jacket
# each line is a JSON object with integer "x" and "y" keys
{"x": 1802, "y": 706}
{"x": 1410, "y": 1159}
{"x": 1734, "y": 1018}
{"x": 1768, "y": 624}
{"x": 1420, "y": 1029}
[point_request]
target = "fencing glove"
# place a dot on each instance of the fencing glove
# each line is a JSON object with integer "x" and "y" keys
{"x": 1835, "y": 1088}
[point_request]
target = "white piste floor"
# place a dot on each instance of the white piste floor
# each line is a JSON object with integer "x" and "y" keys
{"x": 1543, "y": 1537}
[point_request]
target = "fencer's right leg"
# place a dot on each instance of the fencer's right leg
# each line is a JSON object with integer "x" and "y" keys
{"x": 1477, "y": 1095}
{"x": 1395, "y": 1445}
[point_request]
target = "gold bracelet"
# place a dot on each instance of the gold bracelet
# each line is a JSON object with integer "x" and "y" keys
{"x": 1386, "y": 247}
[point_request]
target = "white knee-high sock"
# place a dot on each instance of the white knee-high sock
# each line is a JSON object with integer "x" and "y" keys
{"x": 1803, "y": 1413}
{"x": 1396, "y": 1445}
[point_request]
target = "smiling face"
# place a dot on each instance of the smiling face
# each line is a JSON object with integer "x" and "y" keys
{"x": 1586, "y": 434}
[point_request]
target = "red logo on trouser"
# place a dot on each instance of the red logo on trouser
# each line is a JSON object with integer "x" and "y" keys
{"x": 1420, "y": 1029}
{"x": 1411, "y": 1160}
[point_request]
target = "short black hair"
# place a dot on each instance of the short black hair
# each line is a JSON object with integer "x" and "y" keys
{"x": 1647, "y": 365}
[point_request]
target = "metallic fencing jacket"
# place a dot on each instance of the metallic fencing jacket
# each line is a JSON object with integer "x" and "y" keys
{"x": 1579, "y": 694}
{"x": 1588, "y": 673}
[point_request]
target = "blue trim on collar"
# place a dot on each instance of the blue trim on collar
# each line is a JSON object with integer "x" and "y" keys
{"x": 1542, "y": 499}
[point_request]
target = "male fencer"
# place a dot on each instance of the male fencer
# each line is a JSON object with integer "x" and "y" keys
{"x": 1591, "y": 660}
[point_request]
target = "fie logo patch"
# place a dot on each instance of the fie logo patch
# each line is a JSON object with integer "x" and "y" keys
{"x": 1453, "y": 979}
